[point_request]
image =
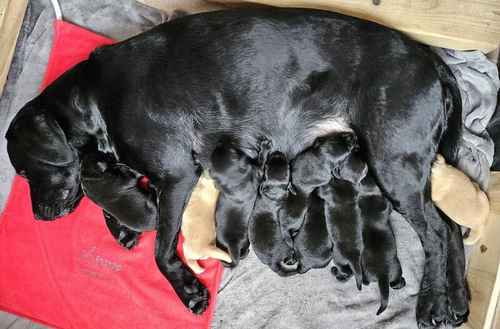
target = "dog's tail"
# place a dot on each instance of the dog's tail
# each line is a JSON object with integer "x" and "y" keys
{"x": 452, "y": 104}
{"x": 383, "y": 286}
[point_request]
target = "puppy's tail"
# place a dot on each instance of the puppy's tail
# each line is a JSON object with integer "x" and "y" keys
{"x": 383, "y": 286}
{"x": 452, "y": 104}
{"x": 358, "y": 274}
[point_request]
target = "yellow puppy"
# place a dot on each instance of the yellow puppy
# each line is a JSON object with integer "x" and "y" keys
{"x": 198, "y": 226}
{"x": 459, "y": 198}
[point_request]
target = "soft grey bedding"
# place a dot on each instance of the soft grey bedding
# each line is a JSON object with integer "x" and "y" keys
{"x": 251, "y": 296}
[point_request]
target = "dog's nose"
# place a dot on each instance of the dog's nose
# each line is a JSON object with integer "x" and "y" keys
{"x": 289, "y": 264}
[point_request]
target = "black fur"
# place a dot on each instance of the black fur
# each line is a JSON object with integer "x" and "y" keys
{"x": 271, "y": 242}
{"x": 115, "y": 188}
{"x": 312, "y": 243}
{"x": 236, "y": 177}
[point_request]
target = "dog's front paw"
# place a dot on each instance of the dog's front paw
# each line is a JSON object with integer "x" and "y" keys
{"x": 432, "y": 308}
{"x": 195, "y": 296}
{"x": 128, "y": 238}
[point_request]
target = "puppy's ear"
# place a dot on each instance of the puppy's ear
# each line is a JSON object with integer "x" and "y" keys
{"x": 352, "y": 169}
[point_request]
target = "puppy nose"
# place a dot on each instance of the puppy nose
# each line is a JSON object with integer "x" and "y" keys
{"x": 289, "y": 264}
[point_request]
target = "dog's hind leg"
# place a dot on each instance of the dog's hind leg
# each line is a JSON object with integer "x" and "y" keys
{"x": 432, "y": 304}
{"x": 125, "y": 236}
{"x": 174, "y": 193}
{"x": 458, "y": 296}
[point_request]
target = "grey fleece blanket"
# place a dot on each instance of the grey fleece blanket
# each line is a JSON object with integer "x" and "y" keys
{"x": 251, "y": 296}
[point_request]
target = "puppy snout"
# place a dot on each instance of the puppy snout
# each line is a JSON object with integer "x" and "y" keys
{"x": 289, "y": 264}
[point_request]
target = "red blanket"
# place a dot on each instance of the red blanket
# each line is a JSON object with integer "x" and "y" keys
{"x": 70, "y": 273}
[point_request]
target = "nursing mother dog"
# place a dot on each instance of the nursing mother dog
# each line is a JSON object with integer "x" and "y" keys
{"x": 288, "y": 75}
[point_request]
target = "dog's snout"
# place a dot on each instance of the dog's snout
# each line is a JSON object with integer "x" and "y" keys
{"x": 289, "y": 264}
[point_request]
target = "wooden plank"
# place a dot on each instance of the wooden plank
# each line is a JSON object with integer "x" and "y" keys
{"x": 484, "y": 270}
{"x": 11, "y": 19}
{"x": 189, "y": 6}
{"x": 456, "y": 24}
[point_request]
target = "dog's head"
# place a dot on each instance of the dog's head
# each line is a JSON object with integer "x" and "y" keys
{"x": 353, "y": 169}
{"x": 313, "y": 245}
{"x": 333, "y": 155}
{"x": 276, "y": 180}
{"x": 268, "y": 243}
{"x": 232, "y": 171}
{"x": 39, "y": 151}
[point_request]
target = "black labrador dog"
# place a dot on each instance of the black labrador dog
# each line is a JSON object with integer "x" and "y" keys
{"x": 236, "y": 177}
{"x": 125, "y": 201}
{"x": 291, "y": 75}
{"x": 270, "y": 240}
{"x": 312, "y": 243}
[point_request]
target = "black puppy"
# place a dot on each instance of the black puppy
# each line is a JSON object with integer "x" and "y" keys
{"x": 312, "y": 243}
{"x": 269, "y": 237}
{"x": 315, "y": 168}
{"x": 179, "y": 87}
{"x": 357, "y": 217}
{"x": 128, "y": 208}
{"x": 379, "y": 259}
{"x": 236, "y": 177}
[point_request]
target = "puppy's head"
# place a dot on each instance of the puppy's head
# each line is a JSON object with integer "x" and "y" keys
{"x": 39, "y": 151}
{"x": 276, "y": 180}
{"x": 314, "y": 167}
{"x": 231, "y": 169}
{"x": 312, "y": 243}
{"x": 267, "y": 241}
{"x": 353, "y": 169}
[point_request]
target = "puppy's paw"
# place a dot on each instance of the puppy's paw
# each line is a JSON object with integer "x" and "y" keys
{"x": 342, "y": 274}
{"x": 195, "y": 296}
{"x": 432, "y": 308}
{"x": 398, "y": 284}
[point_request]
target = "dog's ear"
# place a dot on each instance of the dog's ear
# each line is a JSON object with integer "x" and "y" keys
{"x": 38, "y": 137}
{"x": 352, "y": 169}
